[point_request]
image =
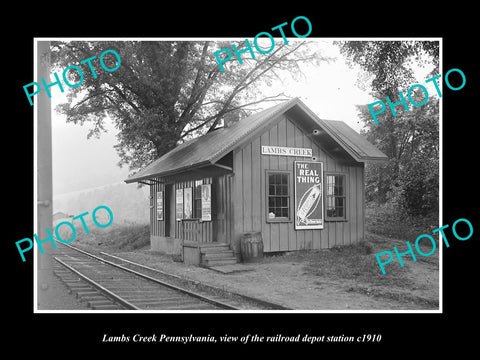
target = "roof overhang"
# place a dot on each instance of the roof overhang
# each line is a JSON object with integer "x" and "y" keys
{"x": 206, "y": 152}
{"x": 206, "y": 169}
{"x": 167, "y": 173}
{"x": 335, "y": 140}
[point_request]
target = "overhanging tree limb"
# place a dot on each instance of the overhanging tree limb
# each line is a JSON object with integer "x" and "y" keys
{"x": 244, "y": 83}
{"x": 165, "y": 90}
{"x": 207, "y": 120}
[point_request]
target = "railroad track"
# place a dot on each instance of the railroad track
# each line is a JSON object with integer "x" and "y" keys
{"x": 106, "y": 285}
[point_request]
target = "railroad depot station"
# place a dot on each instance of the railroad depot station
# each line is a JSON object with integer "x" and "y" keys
{"x": 282, "y": 179}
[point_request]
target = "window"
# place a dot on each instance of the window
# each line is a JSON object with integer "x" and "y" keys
{"x": 335, "y": 197}
{"x": 278, "y": 196}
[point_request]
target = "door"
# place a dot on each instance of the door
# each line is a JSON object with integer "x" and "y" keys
{"x": 219, "y": 201}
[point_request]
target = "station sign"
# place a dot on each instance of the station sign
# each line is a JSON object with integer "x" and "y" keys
{"x": 286, "y": 151}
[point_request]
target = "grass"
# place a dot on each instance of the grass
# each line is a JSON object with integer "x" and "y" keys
{"x": 133, "y": 237}
{"x": 355, "y": 262}
{"x": 356, "y": 267}
{"x": 115, "y": 237}
{"x": 386, "y": 227}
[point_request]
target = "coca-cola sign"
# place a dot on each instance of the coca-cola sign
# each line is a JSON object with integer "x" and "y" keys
{"x": 308, "y": 195}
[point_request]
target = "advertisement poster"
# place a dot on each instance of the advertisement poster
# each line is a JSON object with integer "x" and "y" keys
{"x": 159, "y": 205}
{"x": 179, "y": 204}
{"x": 308, "y": 195}
{"x": 206, "y": 203}
{"x": 187, "y": 203}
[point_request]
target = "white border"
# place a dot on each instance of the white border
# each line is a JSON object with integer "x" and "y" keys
{"x": 35, "y": 182}
{"x": 439, "y": 311}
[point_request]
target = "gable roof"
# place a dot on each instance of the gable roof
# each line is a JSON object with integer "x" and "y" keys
{"x": 211, "y": 147}
{"x": 354, "y": 143}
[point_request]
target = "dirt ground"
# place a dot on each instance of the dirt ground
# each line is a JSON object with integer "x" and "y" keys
{"x": 288, "y": 280}
{"x": 329, "y": 279}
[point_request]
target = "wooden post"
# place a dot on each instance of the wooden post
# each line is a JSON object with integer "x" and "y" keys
{"x": 44, "y": 164}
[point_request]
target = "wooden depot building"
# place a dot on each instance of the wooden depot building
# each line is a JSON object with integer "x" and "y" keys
{"x": 295, "y": 180}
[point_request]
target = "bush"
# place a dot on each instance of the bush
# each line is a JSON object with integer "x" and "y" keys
{"x": 418, "y": 187}
{"x": 387, "y": 219}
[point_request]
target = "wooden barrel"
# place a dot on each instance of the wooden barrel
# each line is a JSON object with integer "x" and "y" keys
{"x": 251, "y": 247}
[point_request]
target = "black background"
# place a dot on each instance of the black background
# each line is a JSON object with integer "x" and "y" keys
{"x": 405, "y": 333}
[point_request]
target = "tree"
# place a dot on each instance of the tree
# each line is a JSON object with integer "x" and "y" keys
{"x": 389, "y": 63}
{"x": 165, "y": 92}
{"x": 410, "y": 140}
{"x": 409, "y": 178}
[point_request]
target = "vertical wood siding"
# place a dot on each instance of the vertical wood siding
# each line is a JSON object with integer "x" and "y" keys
{"x": 249, "y": 194}
{"x": 157, "y": 227}
{"x": 219, "y": 229}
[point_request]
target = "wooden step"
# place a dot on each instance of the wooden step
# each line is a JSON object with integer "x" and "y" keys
{"x": 218, "y": 255}
{"x": 217, "y": 262}
{"x": 213, "y": 245}
{"x": 214, "y": 249}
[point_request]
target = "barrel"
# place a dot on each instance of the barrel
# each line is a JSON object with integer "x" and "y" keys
{"x": 251, "y": 247}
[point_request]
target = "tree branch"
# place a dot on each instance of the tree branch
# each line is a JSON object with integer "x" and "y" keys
{"x": 243, "y": 83}
{"x": 94, "y": 95}
{"x": 270, "y": 66}
{"x": 210, "y": 118}
{"x": 124, "y": 97}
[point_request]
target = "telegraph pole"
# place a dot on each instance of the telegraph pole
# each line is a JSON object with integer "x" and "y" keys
{"x": 44, "y": 165}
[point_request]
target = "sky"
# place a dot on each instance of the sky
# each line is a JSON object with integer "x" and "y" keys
{"x": 329, "y": 90}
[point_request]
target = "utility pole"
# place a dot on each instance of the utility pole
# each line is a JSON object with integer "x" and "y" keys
{"x": 44, "y": 165}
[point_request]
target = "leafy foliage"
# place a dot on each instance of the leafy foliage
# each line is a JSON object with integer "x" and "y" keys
{"x": 389, "y": 63}
{"x": 409, "y": 179}
{"x": 165, "y": 92}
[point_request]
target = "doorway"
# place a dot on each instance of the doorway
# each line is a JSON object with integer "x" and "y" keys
{"x": 169, "y": 211}
{"x": 220, "y": 211}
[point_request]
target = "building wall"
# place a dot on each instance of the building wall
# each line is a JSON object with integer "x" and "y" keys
{"x": 166, "y": 245}
{"x": 249, "y": 194}
{"x": 216, "y": 230}
{"x": 157, "y": 227}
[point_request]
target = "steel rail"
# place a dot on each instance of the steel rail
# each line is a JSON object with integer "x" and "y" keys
{"x": 174, "y": 287}
{"x": 147, "y": 267}
{"x": 109, "y": 294}
{"x": 260, "y": 302}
